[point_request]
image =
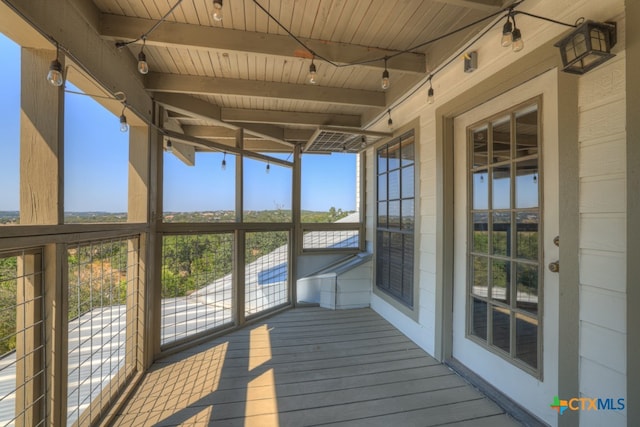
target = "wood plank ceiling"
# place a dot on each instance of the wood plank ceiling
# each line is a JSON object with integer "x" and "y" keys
{"x": 245, "y": 71}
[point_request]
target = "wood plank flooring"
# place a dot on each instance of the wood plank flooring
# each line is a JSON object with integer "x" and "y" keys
{"x": 308, "y": 367}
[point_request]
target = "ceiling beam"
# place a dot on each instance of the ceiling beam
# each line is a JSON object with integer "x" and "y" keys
{"x": 289, "y": 117}
{"x": 483, "y": 5}
{"x": 216, "y": 146}
{"x": 176, "y": 34}
{"x": 174, "y": 83}
{"x": 194, "y": 107}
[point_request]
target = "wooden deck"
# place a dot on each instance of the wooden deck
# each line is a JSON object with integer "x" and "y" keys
{"x": 308, "y": 367}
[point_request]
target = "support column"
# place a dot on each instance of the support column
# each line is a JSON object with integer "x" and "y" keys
{"x": 137, "y": 259}
{"x": 42, "y": 203}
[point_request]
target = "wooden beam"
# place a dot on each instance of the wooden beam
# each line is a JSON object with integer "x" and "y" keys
{"x": 176, "y": 34}
{"x": 483, "y": 5}
{"x": 190, "y": 106}
{"x": 212, "y": 145}
{"x": 161, "y": 82}
{"x": 289, "y": 117}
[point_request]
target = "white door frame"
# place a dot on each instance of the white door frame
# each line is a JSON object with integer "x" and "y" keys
{"x": 538, "y": 61}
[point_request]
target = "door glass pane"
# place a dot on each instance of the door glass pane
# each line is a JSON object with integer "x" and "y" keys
{"x": 500, "y": 328}
{"x": 527, "y": 184}
{"x": 480, "y": 190}
{"x": 500, "y": 280}
{"x": 501, "y": 233}
{"x": 527, "y": 131}
{"x": 527, "y": 340}
{"x": 480, "y": 146}
{"x": 479, "y": 318}
{"x": 480, "y": 232}
{"x": 527, "y": 235}
{"x": 501, "y": 187}
{"x": 480, "y": 272}
{"x": 527, "y": 287}
{"x": 501, "y": 139}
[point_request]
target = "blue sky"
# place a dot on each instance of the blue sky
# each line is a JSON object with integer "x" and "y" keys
{"x": 96, "y": 167}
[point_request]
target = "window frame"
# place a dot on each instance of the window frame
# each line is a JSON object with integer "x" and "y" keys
{"x": 411, "y": 311}
{"x": 514, "y": 311}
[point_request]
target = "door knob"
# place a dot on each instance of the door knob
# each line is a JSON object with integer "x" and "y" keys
{"x": 554, "y": 267}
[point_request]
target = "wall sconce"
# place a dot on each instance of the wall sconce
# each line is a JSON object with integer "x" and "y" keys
{"x": 587, "y": 46}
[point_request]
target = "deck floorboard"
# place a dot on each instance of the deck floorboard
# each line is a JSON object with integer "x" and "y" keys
{"x": 308, "y": 367}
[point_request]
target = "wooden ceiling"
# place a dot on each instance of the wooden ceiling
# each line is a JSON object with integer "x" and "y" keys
{"x": 245, "y": 71}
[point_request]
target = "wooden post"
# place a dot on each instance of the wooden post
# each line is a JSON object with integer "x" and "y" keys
{"x": 240, "y": 241}
{"x": 136, "y": 262}
{"x": 295, "y": 241}
{"x": 41, "y": 203}
{"x": 29, "y": 360}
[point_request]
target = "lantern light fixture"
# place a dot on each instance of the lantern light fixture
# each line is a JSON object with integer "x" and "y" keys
{"x": 588, "y": 46}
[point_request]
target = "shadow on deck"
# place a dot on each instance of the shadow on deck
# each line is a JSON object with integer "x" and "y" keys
{"x": 306, "y": 367}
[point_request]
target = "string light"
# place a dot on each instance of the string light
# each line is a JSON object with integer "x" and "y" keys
{"x": 169, "y": 146}
{"x": 223, "y": 166}
{"x": 143, "y": 67}
{"x": 390, "y": 122}
{"x": 517, "y": 44}
{"x": 124, "y": 126}
{"x": 506, "y": 32}
{"x": 312, "y": 72}
{"x": 363, "y": 144}
{"x": 385, "y": 76}
{"x": 268, "y": 168}
{"x": 217, "y": 10}
{"x": 430, "y": 94}
{"x": 54, "y": 76}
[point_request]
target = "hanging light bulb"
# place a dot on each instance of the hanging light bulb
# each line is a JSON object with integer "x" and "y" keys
{"x": 54, "y": 76}
{"x": 124, "y": 126}
{"x": 518, "y": 43}
{"x": 217, "y": 10}
{"x": 430, "y": 97}
{"x": 312, "y": 73}
{"x": 169, "y": 146}
{"x": 390, "y": 122}
{"x": 268, "y": 167}
{"x": 143, "y": 67}
{"x": 223, "y": 166}
{"x": 363, "y": 144}
{"x": 506, "y": 33}
{"x": 385, "y": 76}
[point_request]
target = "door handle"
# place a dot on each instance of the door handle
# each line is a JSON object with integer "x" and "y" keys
{"x": 554, "y": 267}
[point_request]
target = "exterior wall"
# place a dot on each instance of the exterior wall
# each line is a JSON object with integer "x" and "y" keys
{"x": 603, "y": 235}
{"x": 602, "y": 197}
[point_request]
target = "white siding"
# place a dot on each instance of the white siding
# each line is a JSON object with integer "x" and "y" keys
{"x": 602, "y": 198}
{"x": 603, "y": 236}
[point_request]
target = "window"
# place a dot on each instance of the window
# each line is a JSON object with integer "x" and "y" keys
{"x": 504, "y": 219}
{"x": 396, "y": 218}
